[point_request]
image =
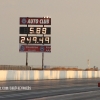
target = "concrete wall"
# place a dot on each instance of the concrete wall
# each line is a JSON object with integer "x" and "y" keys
{"x": 37, "y": 75}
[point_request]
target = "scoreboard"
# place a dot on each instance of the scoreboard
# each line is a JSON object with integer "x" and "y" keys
{"x": 34, "y": 38}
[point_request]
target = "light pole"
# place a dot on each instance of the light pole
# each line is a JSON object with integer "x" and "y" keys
{"x": 88, "y": 62}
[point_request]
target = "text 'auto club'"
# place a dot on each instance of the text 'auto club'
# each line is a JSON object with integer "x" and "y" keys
{"x": 37, "y": 21}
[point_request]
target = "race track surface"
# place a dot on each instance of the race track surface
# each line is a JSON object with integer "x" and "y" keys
{"x": 64, "y": 89}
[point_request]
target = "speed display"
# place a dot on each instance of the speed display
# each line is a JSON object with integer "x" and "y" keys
{"x": 35, "y": 30}
{"x": 34, "y": 40}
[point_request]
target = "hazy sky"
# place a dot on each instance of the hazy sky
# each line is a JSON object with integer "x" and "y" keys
{"x": 75, "y": 31}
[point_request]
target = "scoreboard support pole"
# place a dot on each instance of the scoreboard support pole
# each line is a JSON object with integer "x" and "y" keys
{"x": 43, "y": 57}
{"x": 43, "y": 54}
{"x": 27, "y": 52}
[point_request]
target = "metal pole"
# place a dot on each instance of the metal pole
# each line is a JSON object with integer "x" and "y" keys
{"x": 43, "y": 54}
{"x": 88, "y": 63}
{"x": 27, "y": 51}
{"x": 43, "y": 57}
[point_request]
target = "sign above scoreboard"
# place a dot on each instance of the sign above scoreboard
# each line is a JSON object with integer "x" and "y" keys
{"x": 35, "y": 30}
{"x": 35, "y": 21}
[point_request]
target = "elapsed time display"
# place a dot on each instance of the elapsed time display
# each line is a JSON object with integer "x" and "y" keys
{"x": 35, "y": 30}
{"x": 35, "y": 39}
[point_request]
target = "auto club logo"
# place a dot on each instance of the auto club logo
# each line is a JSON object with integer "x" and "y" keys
{"x": 22, "y": 48}
{"x": 23, "y": 21}
{"x": 41, "y": 48}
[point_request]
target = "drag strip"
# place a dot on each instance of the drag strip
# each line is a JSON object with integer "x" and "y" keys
{"x": 50, "y": 88}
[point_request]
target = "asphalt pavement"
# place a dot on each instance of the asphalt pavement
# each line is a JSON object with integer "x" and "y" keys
{"x": 64, "y": 89}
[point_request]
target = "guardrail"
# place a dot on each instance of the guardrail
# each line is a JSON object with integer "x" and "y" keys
{"x": 45, "y": 74}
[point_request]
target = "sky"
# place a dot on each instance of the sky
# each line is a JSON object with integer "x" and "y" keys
{"x": 75, "y": 32}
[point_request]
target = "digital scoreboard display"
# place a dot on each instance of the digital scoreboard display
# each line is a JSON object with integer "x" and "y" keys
{"x": 35, "y": 30}
{"x": 35, "y": 39}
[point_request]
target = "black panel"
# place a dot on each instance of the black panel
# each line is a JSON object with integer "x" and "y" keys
{"x": 35, "y": 30}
